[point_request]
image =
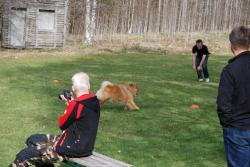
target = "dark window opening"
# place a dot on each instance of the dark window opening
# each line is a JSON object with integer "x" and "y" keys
{"x": 22, "y": 9}
{"x": 47, "y": 11}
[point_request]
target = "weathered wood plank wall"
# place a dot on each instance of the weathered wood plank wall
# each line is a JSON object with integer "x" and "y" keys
{"x": 35, "y": 37}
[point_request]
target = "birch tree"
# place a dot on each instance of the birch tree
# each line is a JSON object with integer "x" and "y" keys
{"x": 146, "y": 17}
{"x": 87, "y": 39}
{"x": 159, "y": 16}
{"x": 90, "y": 21}
{"x": 132, "y": 16}
{"x": 93, "y": 20}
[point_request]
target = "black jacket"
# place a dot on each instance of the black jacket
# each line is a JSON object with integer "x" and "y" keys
{"x": 80, "y": 124}
{"x": 233, "y": 101}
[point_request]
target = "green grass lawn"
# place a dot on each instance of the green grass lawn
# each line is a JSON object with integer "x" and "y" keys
{"x": 166, "y": 132}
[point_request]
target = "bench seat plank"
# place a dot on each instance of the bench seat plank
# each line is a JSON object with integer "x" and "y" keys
{"x": 99, "y": 160}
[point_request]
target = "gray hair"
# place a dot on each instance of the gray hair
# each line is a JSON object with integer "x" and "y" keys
{"x": 80, "y": 81}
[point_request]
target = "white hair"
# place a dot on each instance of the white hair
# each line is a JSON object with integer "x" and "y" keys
{"x": 80, "y": 81}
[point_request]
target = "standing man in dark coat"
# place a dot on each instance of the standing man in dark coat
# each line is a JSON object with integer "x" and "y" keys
{"x": 200, "y": 55}
{"x": 233, "y": 101}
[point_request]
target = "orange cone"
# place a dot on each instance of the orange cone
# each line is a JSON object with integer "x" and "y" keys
{"x": 195, "y": 106}
{"x": 55, "y": 81}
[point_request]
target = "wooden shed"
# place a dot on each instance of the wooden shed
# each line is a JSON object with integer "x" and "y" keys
{"x": 34, "y": 23}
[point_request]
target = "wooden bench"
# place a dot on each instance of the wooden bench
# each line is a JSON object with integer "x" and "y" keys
{"x": 96, "y": 160}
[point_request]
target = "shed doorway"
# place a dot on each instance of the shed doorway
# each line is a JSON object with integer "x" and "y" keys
{"x": 17, "y": 27}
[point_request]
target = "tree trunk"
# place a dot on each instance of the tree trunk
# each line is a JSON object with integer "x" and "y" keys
{"x": 146, "y": 20}
{"x": 159, "y": 17}
{"x": 87, "y": 38}
{"x": 93, "y": 20}
{"x": 132, "y": 17}
{"x": 90, "y": 21}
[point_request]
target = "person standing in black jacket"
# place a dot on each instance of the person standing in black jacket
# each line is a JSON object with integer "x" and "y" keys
{"x": 79, "y": 124}
{"x": 233, "y": 101}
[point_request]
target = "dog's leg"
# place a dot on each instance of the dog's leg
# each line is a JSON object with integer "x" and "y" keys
{"x": 132, "y": 106}
{"x": 102, "y": 102}
{"x": 126, "y": 108}
{"x": 103, "y": 99}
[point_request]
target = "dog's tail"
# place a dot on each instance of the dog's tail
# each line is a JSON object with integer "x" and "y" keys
{"x": 103, "y": 85}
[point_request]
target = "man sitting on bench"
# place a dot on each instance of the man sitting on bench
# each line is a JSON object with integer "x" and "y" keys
{"x": 79, "y": 124}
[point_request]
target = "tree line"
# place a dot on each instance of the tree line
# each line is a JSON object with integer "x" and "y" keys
{"x": 159, "y": 16}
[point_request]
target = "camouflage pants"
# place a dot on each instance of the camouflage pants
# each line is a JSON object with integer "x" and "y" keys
{"x": 39, "y": 152}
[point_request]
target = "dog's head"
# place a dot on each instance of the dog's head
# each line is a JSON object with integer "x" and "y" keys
{"x": 133, "y": 88}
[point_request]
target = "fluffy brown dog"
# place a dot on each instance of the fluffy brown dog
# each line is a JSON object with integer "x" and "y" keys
{"x": 123, "y": 93}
